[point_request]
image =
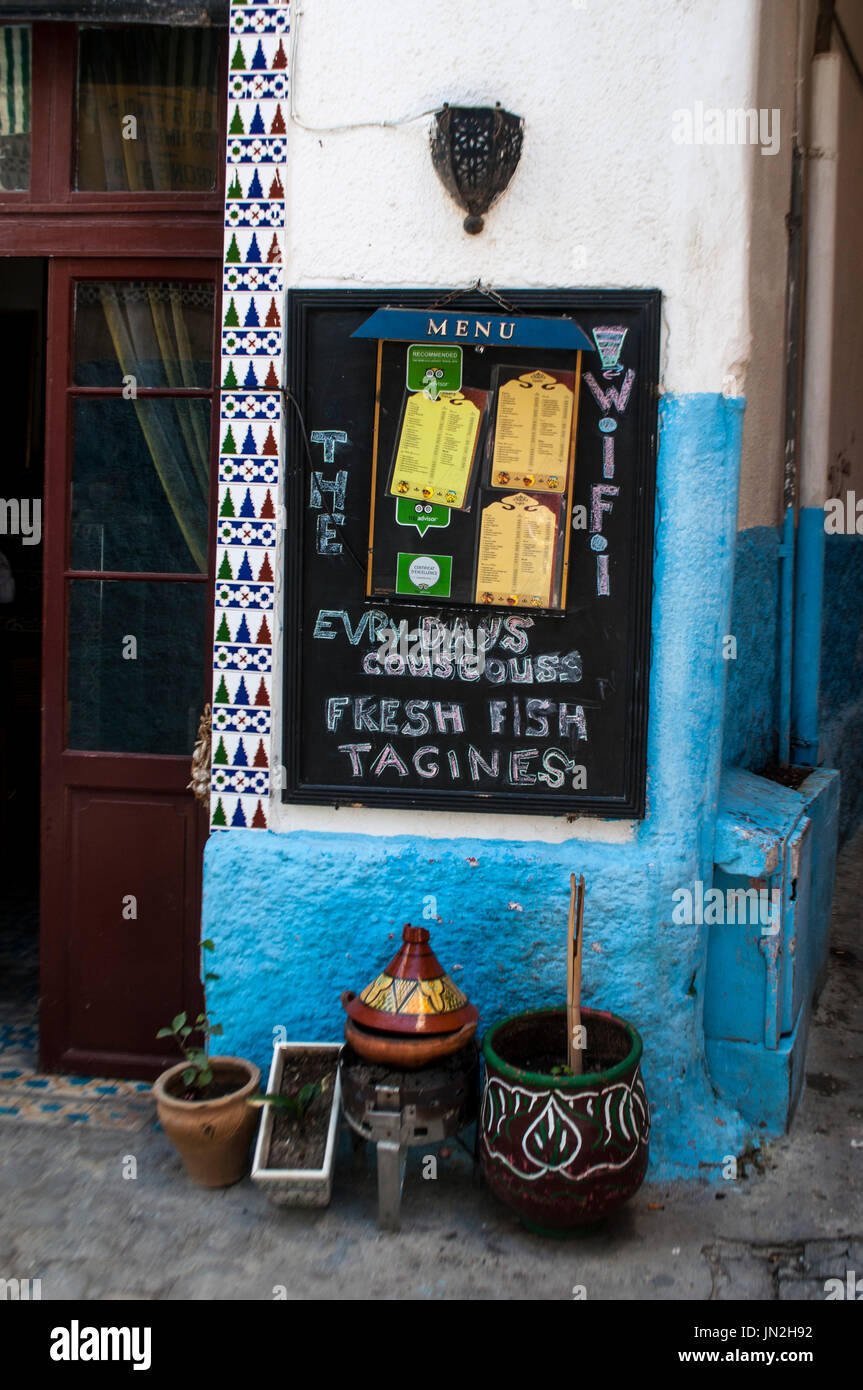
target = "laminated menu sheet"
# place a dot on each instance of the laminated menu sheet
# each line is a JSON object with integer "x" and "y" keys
{"x": 533, "y": 428}
{"x": 518, "y": 550}
{"x": 437, "y": 447}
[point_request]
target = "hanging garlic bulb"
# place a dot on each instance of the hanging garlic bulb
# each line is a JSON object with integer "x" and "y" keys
{"x": 200, "y": 783}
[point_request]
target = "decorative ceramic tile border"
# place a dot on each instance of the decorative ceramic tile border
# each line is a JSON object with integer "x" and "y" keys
{"x": 251, "y": 414}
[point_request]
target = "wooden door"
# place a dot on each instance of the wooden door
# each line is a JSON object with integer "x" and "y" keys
{"x": 131, "y": 448}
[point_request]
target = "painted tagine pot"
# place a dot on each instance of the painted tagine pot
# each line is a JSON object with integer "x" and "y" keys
{"x": 411, "y": 1013}
{"x": 563, "y": 1151}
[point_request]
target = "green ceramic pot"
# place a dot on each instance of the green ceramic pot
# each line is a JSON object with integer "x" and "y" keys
{"x": 563, "y": 1151}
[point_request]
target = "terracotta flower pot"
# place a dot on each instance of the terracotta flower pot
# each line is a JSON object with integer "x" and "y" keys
{"x": 563, "y": 1151}
{"x": 213, "y": 1137}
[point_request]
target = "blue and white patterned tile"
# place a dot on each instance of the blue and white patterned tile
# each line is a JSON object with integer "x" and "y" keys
{"x": 259, "y": 19}
{"x": 250, "y": 406}
{"x": 252, "y": 598}
{"x": 258, "y": 86}
{"x": 235, "y": 469}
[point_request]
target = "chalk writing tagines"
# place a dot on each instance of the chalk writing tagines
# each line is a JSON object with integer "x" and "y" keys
{"x": 401, "y": 708}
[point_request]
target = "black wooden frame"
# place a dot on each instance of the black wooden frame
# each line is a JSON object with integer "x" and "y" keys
{"x": 633, "y": 804}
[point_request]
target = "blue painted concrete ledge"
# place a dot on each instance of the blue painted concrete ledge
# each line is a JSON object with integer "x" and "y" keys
{"x": 299, "y": 917}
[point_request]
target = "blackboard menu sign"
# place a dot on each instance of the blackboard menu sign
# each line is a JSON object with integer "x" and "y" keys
{"x": 434, "y": 655}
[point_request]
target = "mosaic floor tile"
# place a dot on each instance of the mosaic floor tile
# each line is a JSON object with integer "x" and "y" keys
{"x": 26, "y": 1094}
{"x": 86, "y": 1087}
{"x": 36, "y": 1097}
{"x": 25, "y": 1107}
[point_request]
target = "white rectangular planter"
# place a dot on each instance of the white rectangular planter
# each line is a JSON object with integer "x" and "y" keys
{"x": 297, "y": 1187}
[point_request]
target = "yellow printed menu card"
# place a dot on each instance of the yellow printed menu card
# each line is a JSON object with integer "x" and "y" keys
{"x": 532, "y": 431}
{"x": 517, "y": 551}
{"x": 437, "y": 446}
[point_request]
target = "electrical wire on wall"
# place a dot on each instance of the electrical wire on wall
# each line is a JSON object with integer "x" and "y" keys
{"x": 333, "y": 129}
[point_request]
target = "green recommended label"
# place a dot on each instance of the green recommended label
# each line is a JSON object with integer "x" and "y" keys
{"x": 433, "y": 369}
{"x": 422, "y": 515}
{"x": 424, "y": 574}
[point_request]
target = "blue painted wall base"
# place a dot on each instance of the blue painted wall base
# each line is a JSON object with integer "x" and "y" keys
{"x": 821, "y": 794}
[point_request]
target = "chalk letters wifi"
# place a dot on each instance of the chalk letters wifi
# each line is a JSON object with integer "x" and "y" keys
{"x": 609, "y": 342}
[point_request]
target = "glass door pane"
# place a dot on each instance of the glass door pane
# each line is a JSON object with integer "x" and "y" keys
{"x": 156, "y": 332}
{"x": 142, "y": 394}
{"x": 136, "y": 665}
{"x": 140, "y": 485}
{"x": 141, "y": 462}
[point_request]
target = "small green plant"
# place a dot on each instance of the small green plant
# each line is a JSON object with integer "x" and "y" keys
{"x": 293, "y": 1106}
{"x": 562, "y": 1071}
{"x": 198, "y": 1074}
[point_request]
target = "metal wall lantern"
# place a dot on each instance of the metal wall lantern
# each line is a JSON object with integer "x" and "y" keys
{"x": 475, "y": 151}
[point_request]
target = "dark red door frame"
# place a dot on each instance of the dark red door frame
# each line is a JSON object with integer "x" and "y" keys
{"x": 52, "y": 191}
{"x": 53, "y": 219}
{"x": 64, "y": 770}
{"x": 177, "y": 236}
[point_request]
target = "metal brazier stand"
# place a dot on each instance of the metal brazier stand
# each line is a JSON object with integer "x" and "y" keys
{"x": 401, "y": 1109}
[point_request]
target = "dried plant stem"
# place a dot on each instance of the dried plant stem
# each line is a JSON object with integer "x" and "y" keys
{"x": 573, "y": 974}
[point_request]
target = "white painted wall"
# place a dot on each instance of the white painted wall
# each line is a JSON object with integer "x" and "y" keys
{"x": 597, "y": 85}
{"x": 603, "y": 196}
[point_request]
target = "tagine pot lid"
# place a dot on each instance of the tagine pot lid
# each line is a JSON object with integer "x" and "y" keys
{"x": 413, "y": 994}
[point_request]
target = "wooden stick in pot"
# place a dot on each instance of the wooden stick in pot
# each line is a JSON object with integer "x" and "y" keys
{"x": 573, "y": 974}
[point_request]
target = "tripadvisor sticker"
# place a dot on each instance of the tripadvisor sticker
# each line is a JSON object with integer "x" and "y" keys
{"x": 422, "y": 515}
{"x": 424, "y": 574}
{"x": 433, "y": 369}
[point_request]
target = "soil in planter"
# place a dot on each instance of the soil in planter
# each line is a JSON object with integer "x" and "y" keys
{"x": 540, "y": 1046}
{"x": 303, "y": 1143}
{"x": 224, "y": 1083}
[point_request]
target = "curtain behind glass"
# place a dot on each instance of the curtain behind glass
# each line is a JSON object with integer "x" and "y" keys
{"x": 14, "y": 107}
{"x": 148, "y": 110}
{"x": 156, "y": 313}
